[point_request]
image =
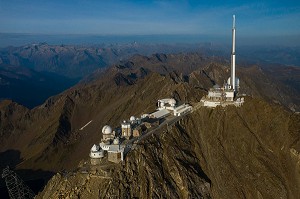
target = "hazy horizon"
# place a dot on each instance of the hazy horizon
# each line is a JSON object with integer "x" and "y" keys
{"x": 20, "y": 39}
{"x": 182, "y": 21}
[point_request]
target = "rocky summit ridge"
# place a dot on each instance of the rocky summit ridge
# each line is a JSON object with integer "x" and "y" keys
{"x": 212, "y": 153}
{"x": 218, "y": 153}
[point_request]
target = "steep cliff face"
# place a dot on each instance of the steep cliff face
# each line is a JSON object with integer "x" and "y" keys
{"x": 10, "y": 116}
{"x": 212, "y": 153}
{"x": 246, "y": 152}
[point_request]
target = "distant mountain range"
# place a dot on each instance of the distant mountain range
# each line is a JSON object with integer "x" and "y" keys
{"x": 77, "y": 61}
{"x": 30, "y": 74}
{"x": 283, "y": 55}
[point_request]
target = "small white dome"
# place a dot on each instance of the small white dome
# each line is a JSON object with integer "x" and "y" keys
{"x": 132, "y": 118}
{"x": 95, "y": 148}
{"x": 116, "y": 141}
{"x": 106, "y": 130}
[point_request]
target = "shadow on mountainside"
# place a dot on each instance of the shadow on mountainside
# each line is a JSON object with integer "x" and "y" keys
{"x": 35, "y": 179}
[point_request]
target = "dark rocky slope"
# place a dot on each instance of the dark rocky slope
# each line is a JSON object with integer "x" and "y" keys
{"x": 243, "y": 153}
{"x": 247, "y": 152}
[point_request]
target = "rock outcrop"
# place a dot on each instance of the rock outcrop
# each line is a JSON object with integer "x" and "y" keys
{"x": 212, "y": 153}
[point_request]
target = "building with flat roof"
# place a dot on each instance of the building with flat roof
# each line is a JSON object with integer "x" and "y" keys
{"x": 160, "y": 114}
{"x": 115, "y": 151}
{"x": 182, "y": 109}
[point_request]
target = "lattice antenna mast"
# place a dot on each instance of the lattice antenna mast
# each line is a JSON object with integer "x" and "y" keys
{"x": 17, "y": 189}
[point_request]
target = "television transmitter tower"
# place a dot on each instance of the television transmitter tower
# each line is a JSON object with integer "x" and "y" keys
{"x": 17, "y": 189}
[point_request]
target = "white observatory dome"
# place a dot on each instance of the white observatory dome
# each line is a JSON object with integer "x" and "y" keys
{"x": 95, "y": 148}
{"x": 132, "y": 118}
{"x": 96, "y": 153}
{"x": 116, "y": 141}
{"x": 106, "y": 130}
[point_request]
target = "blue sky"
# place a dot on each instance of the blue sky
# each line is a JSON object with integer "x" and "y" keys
{"x": 133, "y": 17}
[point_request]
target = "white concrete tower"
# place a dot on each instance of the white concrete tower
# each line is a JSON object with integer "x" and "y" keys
{"x": 232, "y": 78}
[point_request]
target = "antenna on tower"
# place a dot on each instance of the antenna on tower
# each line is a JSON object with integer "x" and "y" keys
{"x": 15, "y": 185}
{"x": 233, "y": 21}
{"x": 232, "y": 78}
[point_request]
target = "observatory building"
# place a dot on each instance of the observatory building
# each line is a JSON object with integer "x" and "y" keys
{"x": 115, "y": 151}
{"x": 169, "y": 106}
{"x": 115, "y": 144}
{"x": 96, "y": 154}
{"x": 126, "y": 129}
{"x": 110, "y": 144}
{"x": 226, "y": 95}
{"x": 107, "y": 133}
